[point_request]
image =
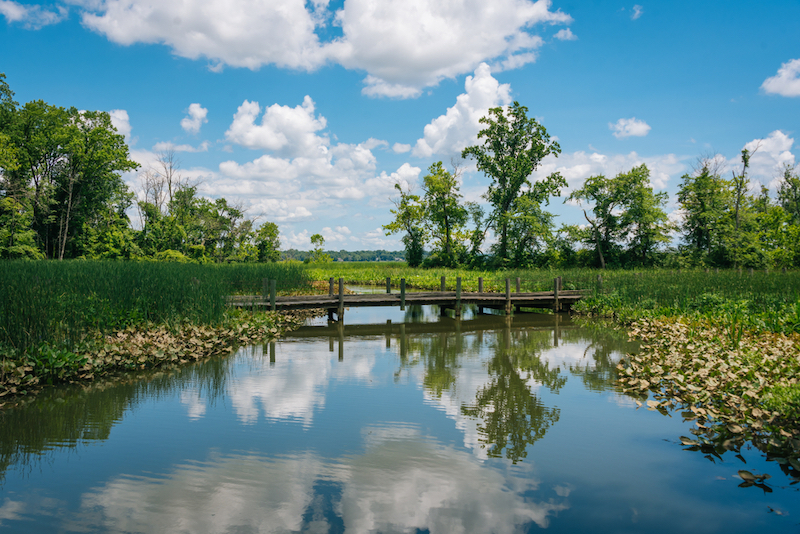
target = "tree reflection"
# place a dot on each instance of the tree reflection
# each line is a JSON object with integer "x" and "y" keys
{"x": 512, "y": 416}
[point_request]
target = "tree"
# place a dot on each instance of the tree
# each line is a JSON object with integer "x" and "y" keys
{"x": 705, "y": 200}
{"x": 513, "y": 147}
{"x": 409, "y": 217}
{"x": 268, "y": 243}
{"x": 626, "y": 212}
{"x": 789, "y": 194}
{"x": 317, "y": 255}
{"x": 444, "y": 215}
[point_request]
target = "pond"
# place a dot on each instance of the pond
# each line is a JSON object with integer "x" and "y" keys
{"x": 399, "y": 421}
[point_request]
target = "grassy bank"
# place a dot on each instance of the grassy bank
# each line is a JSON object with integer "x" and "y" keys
{"x": 56, "y": 316}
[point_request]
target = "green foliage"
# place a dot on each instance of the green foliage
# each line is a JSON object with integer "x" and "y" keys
{"x": 513, "y": 147}
{"x": 628, "y": 223}
{"x": 409, "y": 218}
{"x": 317, "y": 254}
{"x": 268, "y": 243}
{"x": 784, "y": 399}
{"x": 444, "y": 215}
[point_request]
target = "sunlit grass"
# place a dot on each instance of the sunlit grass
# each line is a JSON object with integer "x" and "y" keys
{"x": 58, "y": 303}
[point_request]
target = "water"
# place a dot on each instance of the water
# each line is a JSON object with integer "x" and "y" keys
{"x": 423, "y": 424}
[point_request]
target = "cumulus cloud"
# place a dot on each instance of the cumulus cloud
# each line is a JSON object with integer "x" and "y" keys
{"x": 401, "y": 148}
{"x": 32, "y": 17}
{"x": 121, "y": 121}
{"x": 566, "y": 35}
{"x": 637, "y": 12}
{"x": 286, "y": 130}
{"x": 406, "y": 176}
{"x": 166, "y": 146}
{"x": 195, "y": 119}
{"x": 458, "y": 128}
{"x": 786, "y": 82}
{"x": 406, "y": 45}
{"x": 629, "y": 128}
{"x": 768, "y": 158}
{"x": 402, "y": 45}
{"x": 577, "y": 166}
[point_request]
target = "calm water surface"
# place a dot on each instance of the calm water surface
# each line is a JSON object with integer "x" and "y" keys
{"x": 397, "y": 422}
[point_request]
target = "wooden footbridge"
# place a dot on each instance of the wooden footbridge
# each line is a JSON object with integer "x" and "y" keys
{"x": 336, "y": 301}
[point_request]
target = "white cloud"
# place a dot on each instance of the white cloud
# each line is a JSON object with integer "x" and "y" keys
{"x": 166, "y": 145}
{"x": 291, "y": 131}
{"x": 578, "y": 166}
{"x": 637, "y": 12}
{"x": 566, "y": 35}
{"x": 121, "y": 121}
{"x": 32, "y": 17}
{"x": 407, "y": 176}
{"x": 195, "y": 119}
{"x": 768, "y": 157}
{"x": 402, "y": 45}
{"x": 786, "y": 82}
{"x": 629, "y": 128}
{"x": 458, "y": 128}
{"x": 401, "y": 148}
{"x": 405, "y": 45}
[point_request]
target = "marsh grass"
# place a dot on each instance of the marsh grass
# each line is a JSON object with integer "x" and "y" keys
{"x": 49, "y": 304}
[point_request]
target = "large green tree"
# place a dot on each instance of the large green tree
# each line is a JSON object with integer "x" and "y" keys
{"x": 628, "y": 221}
{"x": 513, "y": 147}
{"x": 444, "y": 214}
{"x": 409, "y": 218}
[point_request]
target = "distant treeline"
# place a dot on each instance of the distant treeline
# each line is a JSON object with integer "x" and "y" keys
{"x": 345, "y": 255}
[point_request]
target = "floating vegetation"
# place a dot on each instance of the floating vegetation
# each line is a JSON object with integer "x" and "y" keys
{"x": 737, "y": 386}
{"x": 138, "y": 348}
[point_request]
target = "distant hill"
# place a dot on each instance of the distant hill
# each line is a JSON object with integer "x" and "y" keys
{"x": 348, "y": 255}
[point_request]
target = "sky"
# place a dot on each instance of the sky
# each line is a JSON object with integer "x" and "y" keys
{"x": 306, "y": 113}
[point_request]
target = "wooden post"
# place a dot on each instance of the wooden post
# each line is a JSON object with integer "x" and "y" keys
{"x": 272, "y": 293}
{"x": 388, "y": 285}
{"x": 508, "y": 296}
{"x": 272, "y": 352}
{"x": 556, "y": 307}
{"x": 402, "y": 294}
{"x": 443, "y": 285}
{"x": 518, "y": 284}
{"x": 330, "y": 287}
{"x": 264, "y": 289}
{"x": 458, "y": 296}
{"x": 340, "y": 314}
{"x": 480, "y": 283}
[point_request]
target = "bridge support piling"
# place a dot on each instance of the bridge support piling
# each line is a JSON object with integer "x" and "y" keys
{"x": 388, "y": 284}
{"x": 458, "y": 296}
{"x": 340, "y": 314}
{"x": 480, "y": 284}
{"x": 273, "y": 290}
{"x": 402, "y": 294}
{"x": 508, "y": 296}
{"x": 443, "y": 284}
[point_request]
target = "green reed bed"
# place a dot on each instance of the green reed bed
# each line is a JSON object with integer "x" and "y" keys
{"x": 56, "y": 304}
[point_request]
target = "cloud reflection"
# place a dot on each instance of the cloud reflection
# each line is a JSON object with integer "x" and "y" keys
{"x": 402, "y": 482}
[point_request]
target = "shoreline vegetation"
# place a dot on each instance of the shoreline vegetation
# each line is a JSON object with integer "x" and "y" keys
{"x": 720, "y": 347}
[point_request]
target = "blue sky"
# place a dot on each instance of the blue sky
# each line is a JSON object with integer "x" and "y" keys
{"x": 307, "y": 113}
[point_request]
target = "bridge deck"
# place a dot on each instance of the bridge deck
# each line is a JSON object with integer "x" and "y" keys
{"x": 446, "y": 299}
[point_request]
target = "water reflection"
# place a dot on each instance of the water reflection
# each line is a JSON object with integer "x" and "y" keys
{"x": 254, "y": 450}
{"x": 402, "y": 482}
